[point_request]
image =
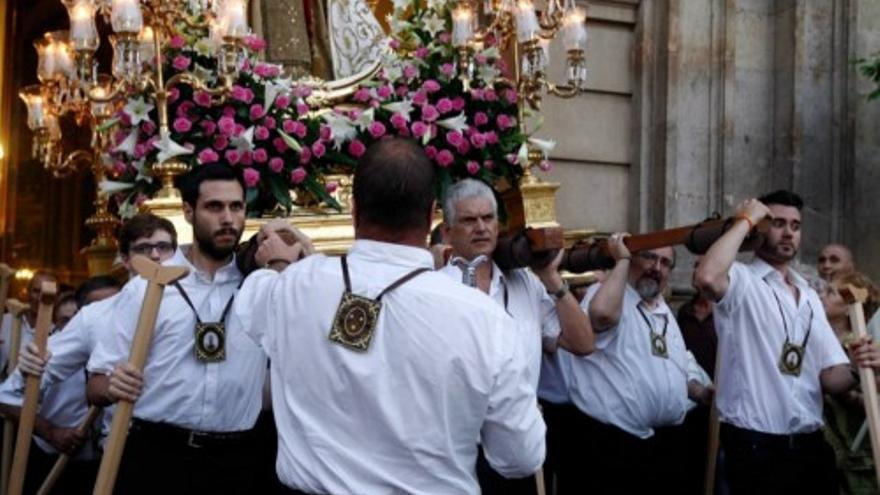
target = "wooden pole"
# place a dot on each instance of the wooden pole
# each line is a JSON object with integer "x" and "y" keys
{"x": 158, "y": 277}
{"x": 64, "y": 458}
{"x": 17, "y": 310}
{"x": 6, "y": 274}
{"x": 31, "y": 392}
{"x": 855, "y": 297}
{"x": 714, "y": 439}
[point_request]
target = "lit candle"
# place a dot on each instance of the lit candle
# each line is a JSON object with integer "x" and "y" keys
{"x": 235, "y": 17}
{"x": 574, "y": 32}
{"x": 462, "y": 26}
{"x": 32, "y": 97}
{"x": 48, "y": 61}
{"x": 526, "y": 21}
{"x": 83, "y": 31}
{"x": 126, "y": 16}
{"x": 64, "y": 66}
{"x": 146, "y": 46}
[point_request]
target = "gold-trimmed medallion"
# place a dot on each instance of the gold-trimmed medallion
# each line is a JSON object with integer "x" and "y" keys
{"x": 210, "y": 342}
{"x": 355, "y": 321}
{"x": 791, "y": 359}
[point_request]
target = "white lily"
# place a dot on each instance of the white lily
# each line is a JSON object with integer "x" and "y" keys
{"x": 457, "y": 123}
{"x": 290, "y": 142}
{"x": 365, "y": 119}
{"x": 522, "y": 156}
{"x": 142, "y": 173}
{"x": 113, "y": 186}
{"x": 244, "y": 141}
{"x": 404, "y": 107}
{"x": 205, "y": 74}
{"x": 491, "y": 52}
{"x": 397, "y": 24}
{"x": 340, "y": 128}
{"x": 138, "y": 110}
{"x": 433, "y": 24}
{"x": 401, "y": 4}
{"x": 168, "y": 149}
{"x": 127, "y": 209}
{"x": 128, "y": 144}
{"x": 487, "y": 72}
{"x": 546, "y": 146}
{"x": 436, "y": 5}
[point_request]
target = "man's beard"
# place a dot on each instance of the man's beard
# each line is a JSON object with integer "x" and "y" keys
{"x": 774, "y": 253}
{"x": 208, "y": 245}
{"x": 648, "y": 287}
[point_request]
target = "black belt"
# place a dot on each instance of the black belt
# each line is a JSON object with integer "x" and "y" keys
{"x": 165, "y": 432}
{"x": 791, "y": 441}
{"x": 285, "y": 490}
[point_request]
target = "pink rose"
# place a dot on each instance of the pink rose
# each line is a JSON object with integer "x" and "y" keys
{"x": 302, "y": 109}
{"x": 260, "y": 155}
{"x": 266, "y": 70}
{"x": 119, "y": 168}
{"x": 420, "y": 98}
{"x": 410, "y": 72}
{"x": 429, "y": 113}
{"x": 325, "y": 133}
{"x": 431, "y": 86}
{"x": 510, "y": 96}
{"x": 176, "y": 42}
{"x": 362, "y": 95}
{"x": 478, "y": 140}
{"x": 473, "y": 167}
{"x": 226, "y": 126}
{"x": 299, "y": 129}
{"x": 148, "y": 127}
{"x": 356, "y": 148}
{"x": 444, "y": 105}
{"x": 384, "y": 92}
{"x": 269, "y": 122}
{"x": 208, "y": 155}
{"x": 261, "y": 133}
{"x": 298, "y": 175}
{"x": 229, "y": 111}
{"x": 254, "y": 43}
{"x": 377, "y": 129}
{"x": 398, "y": 121}
{"x": 401, "y": 91}
{"x": 394, "y": 44}
{"x": 256, "y": 111}
{"x": 220, "y": 143}
{"x": 305, "y": 155}
{"x": 173, "y": 95}
{"x": 247, "y": 158}
{"x": 181, "y": 62}
{"x": 463, "y": 148}
{"x": 276, "y": 164}
{"x": 282, "y": 101}
{"x": 490, "y": 95}
{"x": 447, "y": 70}
{"x": 182, "y": 124}
{"x": 331, "y": 187}
{"x": 251, "y": 177}
{"x": 238, "y": 129}
{"x": 477, "y": 94}
{"x": 422, "y": 52}
{"x": 480, "y": 118}
{"x": 288, "y": 126}
{"x": 488, "y": 164}
{"x": 458, "y": 103}
{"x": 279, "y": 145}
{"x": 184, "y": 108}
{"x": 545, "y": 165}
{"x": 430, "y": 152}
{"x": 454, "y": 138}
{"x": 491, "y": 138}
{"x": 504, "y": 121}
{"x": 418, "y": 129}
{"x": 318, "y": 149}
{"x": 241, "y": 94}
{"x": 232, "y": 156}
{"x": 208, "y": 127}
{"x": 202, "y": 98}
{"x": 444, "y": 158}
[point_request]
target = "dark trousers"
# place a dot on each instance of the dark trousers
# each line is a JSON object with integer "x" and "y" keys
{"x": 78, "y": 478}
{"x": 561, "y": 475}
{"x": 165, "y": 460}
{"x": 616, "y": 462}
{"x": 760, "y": 463}
{"x": 492, "y": 483}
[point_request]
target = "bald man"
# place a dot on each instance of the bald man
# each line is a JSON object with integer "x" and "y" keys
{"x": 835, "y": 261}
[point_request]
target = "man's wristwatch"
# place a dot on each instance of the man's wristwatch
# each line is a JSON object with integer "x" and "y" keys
{"x": 559, "y": 294}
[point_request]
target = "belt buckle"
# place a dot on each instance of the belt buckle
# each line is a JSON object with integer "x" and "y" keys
{"x": 191, "y": 440}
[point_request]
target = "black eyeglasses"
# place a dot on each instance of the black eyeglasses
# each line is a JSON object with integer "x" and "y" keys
{"x": 145, "y": 248}
{"x": 653, "y": 257}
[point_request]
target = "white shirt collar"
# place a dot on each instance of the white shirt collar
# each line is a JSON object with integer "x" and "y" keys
{"x": 227, "y": 272}
{"x": 391, "y": 254}
{"x": 660, "y": 308}
{"x": 763, "y": 269}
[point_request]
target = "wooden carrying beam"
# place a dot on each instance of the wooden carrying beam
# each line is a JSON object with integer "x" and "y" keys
{"x": 855, "y": 297}
{"x": 17, "y": 310}
{"x": 696, "y": 238}
{"x": 158, "y": 277}
{"x": 31, "y": 392}
{"x": 528, "y": 247}
{"x": 64, "y": 458}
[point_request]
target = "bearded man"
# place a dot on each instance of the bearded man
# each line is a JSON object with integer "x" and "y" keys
{"x": 639, "y": 381}
{"x": 200, "y": 393}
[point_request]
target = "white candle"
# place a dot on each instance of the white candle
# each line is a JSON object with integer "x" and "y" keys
{"x": 235, "y": 15}
{"x": 526, "y": 21}
{"x": 574, "y": 32}
{"x": 146, "y": 46}
{"x": 35, "y": 113}
{"x": 462, "y": 26}
{"x": 64, "y": 65}
{"x": 83, "y": 31}
{"x": 126, "y": 16}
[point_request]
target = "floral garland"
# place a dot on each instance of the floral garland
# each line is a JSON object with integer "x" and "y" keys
{"x": 266, "y": 127}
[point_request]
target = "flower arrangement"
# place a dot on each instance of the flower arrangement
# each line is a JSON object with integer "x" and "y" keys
{"x": 266, "y": 126}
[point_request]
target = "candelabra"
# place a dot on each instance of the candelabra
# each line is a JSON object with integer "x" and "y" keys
{"x": 70, "y": 85}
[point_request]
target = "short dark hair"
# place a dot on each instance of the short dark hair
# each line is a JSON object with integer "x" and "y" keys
{"x": 394, "y": 185}
{"x": 782, "y": 197}
{"x": 190, "y": 182}
{"x": 144, "y": 225}
{"x": 93, "y": 284}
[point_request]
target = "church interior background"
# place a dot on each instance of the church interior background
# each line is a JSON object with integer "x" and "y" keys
{"x": 690, "y": 106}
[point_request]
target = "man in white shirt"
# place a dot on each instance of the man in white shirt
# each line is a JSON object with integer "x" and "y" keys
{"x": 29, "y": 320}
{"x": 778, "y": 356}
{"x": 63, "y": 398}
{"x": 639, "y": 380}
{"x": 397, "y": 405}
{"x": 546, "y": 314}
{"x": 195, "y": 404}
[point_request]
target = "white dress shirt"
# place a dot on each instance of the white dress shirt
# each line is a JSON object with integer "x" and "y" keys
{"x": 623, "y": 383}
{"x": 752, "y": 392}
{"x": 405, "y": 415}
{"x": 27, "y": 335}
{"x": 555, "y": 376}
{"x": 178, "y": 388}
{"x": 532, "y": 309}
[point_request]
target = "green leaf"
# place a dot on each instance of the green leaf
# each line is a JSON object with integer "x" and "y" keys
{"x": 251, "y": 195}
{"x": 107, "y": 125}
{"x": 281, "y": 192}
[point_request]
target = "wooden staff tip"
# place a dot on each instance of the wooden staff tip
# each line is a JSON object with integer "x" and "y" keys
{"x": 16, "y": 307}
{"x": 6, "y": 271}
{"x": 852, "y": 294}
{"x": 152, "y": 271}
{"x": 47, "y": 292}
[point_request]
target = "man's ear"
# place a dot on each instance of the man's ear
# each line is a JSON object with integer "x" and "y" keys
{"x": 188, "y": 212}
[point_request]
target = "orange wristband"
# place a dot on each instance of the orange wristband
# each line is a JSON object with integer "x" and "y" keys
{"x": 743, "y": 216}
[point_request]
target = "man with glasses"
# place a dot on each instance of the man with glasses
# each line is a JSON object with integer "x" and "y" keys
{"x": 778, "y": 354}
{"x": 639, "y": 380}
